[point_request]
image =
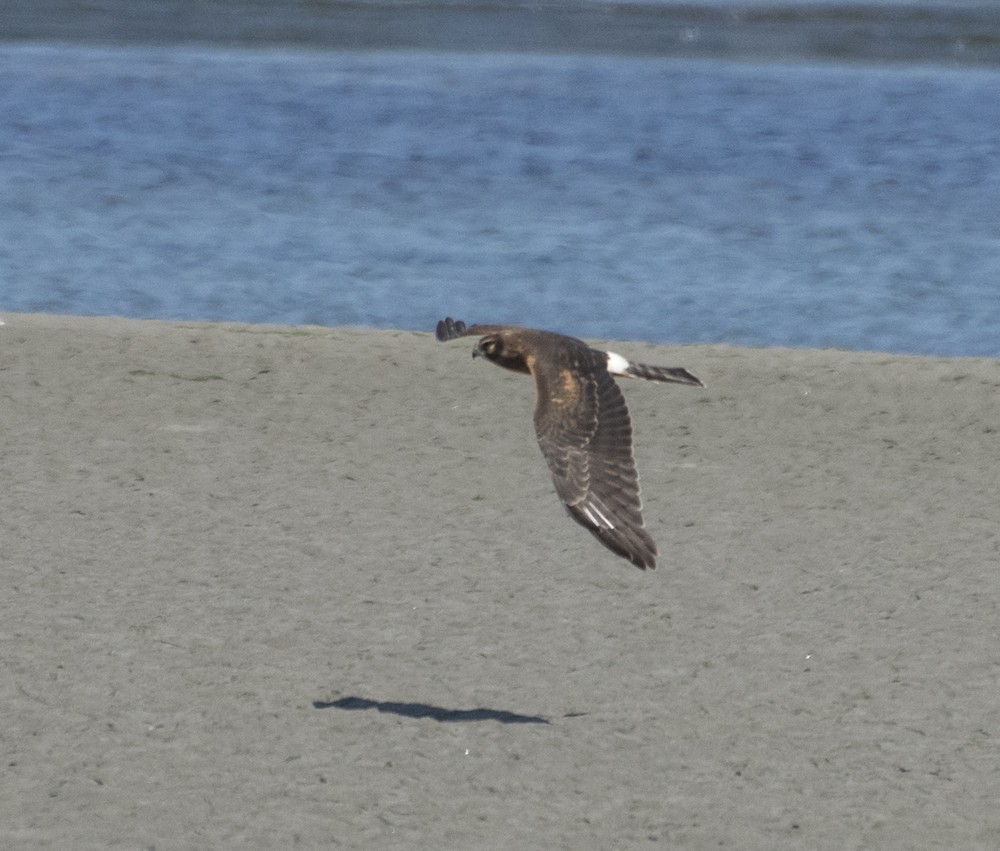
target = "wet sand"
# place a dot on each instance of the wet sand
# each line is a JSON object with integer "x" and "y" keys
{"x": 270, "y": 586}
{"x": 965, "y": 34}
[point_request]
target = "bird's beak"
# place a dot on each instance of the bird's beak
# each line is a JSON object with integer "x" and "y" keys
{"x": 477, "y": 351}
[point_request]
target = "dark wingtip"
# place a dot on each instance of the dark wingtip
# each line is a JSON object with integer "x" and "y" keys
{"x": 632, "y": 543}
{"x": 642, "y": 556}
{"x": 449, "y": 329}
{"x": 644, "y": 559}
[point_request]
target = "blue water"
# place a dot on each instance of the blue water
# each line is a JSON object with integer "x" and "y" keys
{"x": 660, "y": 199}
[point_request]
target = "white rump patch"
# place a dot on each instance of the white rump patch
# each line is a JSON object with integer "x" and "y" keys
{"x": 617, "y": 365}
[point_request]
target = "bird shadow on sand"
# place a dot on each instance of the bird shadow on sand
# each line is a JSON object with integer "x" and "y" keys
{"x": 426, "y": 710}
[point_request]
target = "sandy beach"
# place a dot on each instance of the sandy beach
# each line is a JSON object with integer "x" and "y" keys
{"x": 954, "y": 33}
{"x": 273, "y": 587}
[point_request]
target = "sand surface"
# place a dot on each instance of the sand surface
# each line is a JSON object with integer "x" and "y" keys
{"x": 953, "y": 32}
{"x": 274, "y": 587}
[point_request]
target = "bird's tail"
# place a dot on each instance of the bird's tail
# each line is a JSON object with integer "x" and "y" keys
{"x": 673, "y": 374}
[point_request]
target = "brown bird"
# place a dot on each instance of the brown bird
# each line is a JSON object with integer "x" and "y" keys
{"x": 583, "y": 425}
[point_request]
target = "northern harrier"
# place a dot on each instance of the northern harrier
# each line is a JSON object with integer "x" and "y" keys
{"x": 583, "y": 425}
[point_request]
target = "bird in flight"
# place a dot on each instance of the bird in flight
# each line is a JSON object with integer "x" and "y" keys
{"x": 583, "y": 425}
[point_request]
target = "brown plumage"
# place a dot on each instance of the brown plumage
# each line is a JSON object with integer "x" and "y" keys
{"x": 583, "y": 425}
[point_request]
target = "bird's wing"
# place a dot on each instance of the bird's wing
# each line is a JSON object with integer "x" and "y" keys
{"x": 585, "y": 434}
{"x": 452, "y": 329}
{"x": 449, "y": 329}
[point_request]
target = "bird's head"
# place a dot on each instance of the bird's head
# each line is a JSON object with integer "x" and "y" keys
{"x": 502, "y": 352}
{"x": 489, "y": 347}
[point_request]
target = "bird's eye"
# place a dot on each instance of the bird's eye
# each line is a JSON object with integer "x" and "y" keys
{"x": 491, "y": 346}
